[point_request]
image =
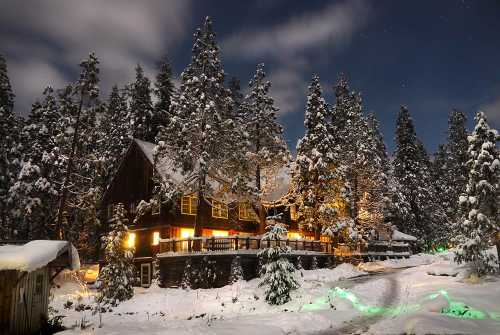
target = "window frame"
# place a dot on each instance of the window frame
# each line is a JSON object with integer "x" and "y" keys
{"x": 191, "y": 203}
{"x": 246, "y": 208}
{"x": 294, "y": 215}
{"x": 219, "y": 209}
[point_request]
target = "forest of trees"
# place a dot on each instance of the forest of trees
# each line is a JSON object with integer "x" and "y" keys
{"x": 56, "y": 163}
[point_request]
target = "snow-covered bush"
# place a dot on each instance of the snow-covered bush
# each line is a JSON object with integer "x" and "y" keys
{"x": 279, "y": 274}
{"x": 236, "y": 270}
{"x": 116, "y": 277}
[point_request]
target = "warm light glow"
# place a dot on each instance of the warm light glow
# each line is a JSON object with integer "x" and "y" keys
{"x": 245, "y": 211}
{"x": 220, "y": 233}
{"x": 187, "y": 232}
{"x": 156, "y": 238}
{"x": 131, "y": 240}
{"x": 294, "y": 235}
{"x": 293, "y": 212}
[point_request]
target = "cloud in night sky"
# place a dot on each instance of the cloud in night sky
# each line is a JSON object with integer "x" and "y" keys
{"x": 53, "y": 36}
{"x": 492, "y": 111}
{"x": 332, "y": 25}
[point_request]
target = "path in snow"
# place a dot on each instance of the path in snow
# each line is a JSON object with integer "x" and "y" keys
{"x": 362, "y": 323}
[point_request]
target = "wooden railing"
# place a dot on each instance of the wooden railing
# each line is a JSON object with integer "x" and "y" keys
{"x": 234, "y": 243}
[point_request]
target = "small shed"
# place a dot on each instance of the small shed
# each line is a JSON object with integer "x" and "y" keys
{"x": 26, "y": 272}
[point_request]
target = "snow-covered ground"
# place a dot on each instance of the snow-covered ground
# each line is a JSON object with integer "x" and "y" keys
{"x": 396, "y": 297}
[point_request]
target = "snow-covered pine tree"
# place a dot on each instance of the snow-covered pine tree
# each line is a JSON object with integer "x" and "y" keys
{"x": 113, "y": 135}
{"x": 412, "y": 171}
{"x": 236, "y": 95}
{"x": 10, "y": 149}
{"x": 164, "y": 91}
{"x": 315, "y": 175}
{"x": 454, "y": 176}
{"x": 267, "y": 149}
{"x": 36, "y": 191}
{"x": 236, "y": 270}
{"x": 480, "y": 203}
{"x": 278, "y": 275}
{"x": 201, "y": 136}
{"x": 443, "y": 232}
{"x": 77, "y": 103}
{"x": 363, "y": 168}
{"x": 141, "y": 111}
{"x": 117, "y": 275}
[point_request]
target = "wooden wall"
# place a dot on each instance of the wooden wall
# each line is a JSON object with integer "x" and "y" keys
{"x": 172, "y": 268}
{"x": 24, "y": 300}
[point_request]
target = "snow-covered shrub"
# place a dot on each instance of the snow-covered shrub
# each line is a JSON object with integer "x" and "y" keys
{"x": 206, "y": 274}
{"x": 314, "y": 263}
{"x": 236, "y": 270}
{"x": 116, "y": 277}
{"x": 188, "y": 275}
{"x": 279, "y": 274}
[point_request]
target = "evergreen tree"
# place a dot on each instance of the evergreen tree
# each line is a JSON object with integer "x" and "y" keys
{"x": 6, "y": 94}
{"x": 278, "y": 273}
{"x": 77, "y": 104}
{"x": 141, "y": 112}
{"x": 36, "y": 190}
{"x": 117, "y": 275}
{"x": 314, "y": 263}
{"x": 113, "y": 136}
{"x": 267, "y": 148}
{"x": 201, "y": 136}
{"x": 314, "y": 175}
{"x": 236, "y": 270}
{"x": 10, "y": 148}
{"x": 206, "y": 275}
{"x": 360, "y": 156}
{"x": 452, "y": 172}
{"x": 164, "y": 90}
{"x": 412, "y": 171}
{"x": 480, "y": 203}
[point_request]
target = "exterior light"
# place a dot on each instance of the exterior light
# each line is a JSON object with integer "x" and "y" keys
{"x": 156, "y": 238}
{"x": 131, "y": 240}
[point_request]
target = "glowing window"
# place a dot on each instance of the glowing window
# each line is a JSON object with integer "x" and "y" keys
{"x": 189, "y": 204}
{"x": 156, "y": 238}
{"x": 187, "y": 232}
{"x": 293, "y": 212}
{"x": 245, "y": 211}
{"x": 220, "y": 233}
{"x": 131, "y": 240}
{"x": 219, "y": 209}
{"x": 294, "y": 235}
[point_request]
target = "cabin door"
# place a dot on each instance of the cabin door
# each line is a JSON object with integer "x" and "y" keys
{"x": 146, "y": 274}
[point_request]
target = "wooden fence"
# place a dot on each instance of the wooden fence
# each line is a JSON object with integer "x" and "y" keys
{"x": 234, "y": 243}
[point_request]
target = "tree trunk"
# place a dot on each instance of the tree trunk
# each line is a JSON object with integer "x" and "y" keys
{"x": 200, "y": 212}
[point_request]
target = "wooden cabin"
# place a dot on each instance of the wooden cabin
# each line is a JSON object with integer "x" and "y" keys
{"x": 223, "y": 217}
{"x": 26, "y": 272}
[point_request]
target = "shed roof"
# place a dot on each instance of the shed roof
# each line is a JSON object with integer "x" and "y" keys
{"x": 399, "y": 236}
{"x": 36, "y": 254}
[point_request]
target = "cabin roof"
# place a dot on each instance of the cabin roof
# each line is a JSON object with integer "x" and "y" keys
{"x": 275, "y": 184}
{"x": 399, "y": 236}
{"x": 36, "y": 254}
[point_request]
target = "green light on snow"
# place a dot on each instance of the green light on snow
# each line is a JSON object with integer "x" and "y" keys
{"x": 455, "y": 309}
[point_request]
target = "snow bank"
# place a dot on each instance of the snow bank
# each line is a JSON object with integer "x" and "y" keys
{"x": 35, "y": 254}
{"x": 414, "y": 260}
{"x": 343, "y": 271}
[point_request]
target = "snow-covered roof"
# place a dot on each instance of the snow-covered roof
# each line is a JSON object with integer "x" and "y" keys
{"x": 274, "y": 187}
{"x": 36, "y": 254}
{"x": 399, "y": 236}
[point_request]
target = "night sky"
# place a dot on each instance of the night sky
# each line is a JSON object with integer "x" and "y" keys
{"x": 429, "y": 55}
